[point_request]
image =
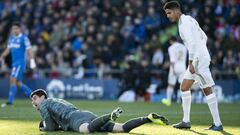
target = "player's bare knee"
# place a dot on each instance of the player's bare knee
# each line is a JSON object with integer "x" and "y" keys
{"x": 186, "y": 85}
{"x": 19, "y": 84}
{"x": 207, "y": 91}
{"x": 13, "y": 81}
{"x": 83, "y": 128}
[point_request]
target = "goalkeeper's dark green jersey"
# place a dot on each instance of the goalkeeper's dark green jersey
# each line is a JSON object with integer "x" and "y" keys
{"x": 56, "y": 113}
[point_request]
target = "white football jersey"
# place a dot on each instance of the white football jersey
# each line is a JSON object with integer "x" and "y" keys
{"x": 193, "y": 37}
{"x": 178, "y": 55}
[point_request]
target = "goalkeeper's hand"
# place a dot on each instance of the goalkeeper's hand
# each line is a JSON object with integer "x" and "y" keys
{"x": 32, "y": 64}
{"x": 42, "y": 125}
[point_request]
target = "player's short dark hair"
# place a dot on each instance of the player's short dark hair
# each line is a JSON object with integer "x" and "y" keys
{"x": 16, "y": 24}
{"x": 173, "y": 38}
{"x": 171, "y": 5}
{"x": 39, "y": 92}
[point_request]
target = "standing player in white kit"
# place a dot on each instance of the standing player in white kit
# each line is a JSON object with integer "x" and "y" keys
{"x": 177, "y": 54}
{"x": 198, "y": 66}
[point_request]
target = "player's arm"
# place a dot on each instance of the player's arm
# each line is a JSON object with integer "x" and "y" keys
{"x": 48, "y": 123}
{"x": 31, "y": 57}
{"x": 4, "y": 54}
{"x": 30, "y": 53}
{"x": 188, "y": 33}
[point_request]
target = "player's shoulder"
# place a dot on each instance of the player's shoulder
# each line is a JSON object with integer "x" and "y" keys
{"x": 179, "y": 44}
{"x": 49, "y": 100}
{"x": 186, "y": 19}
{"x": 24, "y": 36}
{"x": 10, "y": 37}
{"x": 175, "y": 45}
{"x": 44, "y": 104}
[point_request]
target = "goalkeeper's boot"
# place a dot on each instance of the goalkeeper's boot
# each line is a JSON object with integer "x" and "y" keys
{"x": 182, "y": 125}
{"x": 116, "y": 113}
{"x": 6, "y": 105}
{"x": 157, "y": 119}
{"x": 166, "y": 102}
{"x": 215, "y": 128}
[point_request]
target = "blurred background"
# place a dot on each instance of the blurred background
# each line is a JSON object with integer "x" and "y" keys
{"x": 100, "y": 49}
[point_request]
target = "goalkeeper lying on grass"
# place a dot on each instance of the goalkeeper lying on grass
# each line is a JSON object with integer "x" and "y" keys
{"x": 58, "y": 114}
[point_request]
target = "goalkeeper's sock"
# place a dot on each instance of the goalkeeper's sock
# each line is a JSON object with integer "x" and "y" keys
{"x": 12, "y": 93}
{"x": 213, "y": 106}
{"x": 186, "y": 105}
{"x": 97, "y": 123}
{"x": 133, "y": 123}
{"x": 25, "y": 89}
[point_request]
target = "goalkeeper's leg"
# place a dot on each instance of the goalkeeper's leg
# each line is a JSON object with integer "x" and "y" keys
{"x": 135, "y": 122}
{"x": 125, "y": 127}
{"x": 97, "y": 123}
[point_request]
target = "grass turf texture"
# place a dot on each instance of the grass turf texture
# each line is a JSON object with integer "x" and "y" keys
{"x": 23, "y": 119}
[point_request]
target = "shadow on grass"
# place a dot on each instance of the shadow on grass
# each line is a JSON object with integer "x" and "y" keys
{"x": 136, "y": 134}
{"x": 193, "y": 131}
{"x": 62, "y": 133}
{"x": 69, "y": 132}
{"x": 199, "y": 133}
{"x": 196, "y": 132}
{"x": 226, "y": 133}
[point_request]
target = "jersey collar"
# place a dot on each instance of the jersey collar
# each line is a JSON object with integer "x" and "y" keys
{"x": 19, "y": 35}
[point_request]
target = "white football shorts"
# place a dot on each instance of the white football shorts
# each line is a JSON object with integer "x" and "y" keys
{"x": 203, "y": 75}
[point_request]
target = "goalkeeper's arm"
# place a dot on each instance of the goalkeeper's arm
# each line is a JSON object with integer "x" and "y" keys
{"x": 48, "y": 125}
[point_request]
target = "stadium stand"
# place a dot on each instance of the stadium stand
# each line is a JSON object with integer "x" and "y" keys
{"x": 102, "y": 35}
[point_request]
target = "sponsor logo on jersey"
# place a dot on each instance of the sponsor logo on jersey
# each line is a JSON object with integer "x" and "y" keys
{"x": 14, "y": 45}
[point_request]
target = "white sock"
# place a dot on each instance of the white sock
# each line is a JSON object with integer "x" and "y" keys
{"x": 169, "y": 93}
{"x": 186, "y": 104}
{"x": 213, "y": 106}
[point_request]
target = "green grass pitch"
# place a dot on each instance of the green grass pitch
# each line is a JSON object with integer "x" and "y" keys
{"x": 23, "y": 119}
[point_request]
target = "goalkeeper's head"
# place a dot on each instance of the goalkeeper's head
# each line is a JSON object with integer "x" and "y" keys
{"x": 38, "y": 96}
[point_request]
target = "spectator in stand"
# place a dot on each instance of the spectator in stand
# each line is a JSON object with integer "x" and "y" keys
{"x": 124, "y": 24}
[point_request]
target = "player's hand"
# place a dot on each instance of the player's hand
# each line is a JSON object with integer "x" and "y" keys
{"x": 191, "y": 68}
{"x": 32, "y": 64}
{"x": 41, "y": 125}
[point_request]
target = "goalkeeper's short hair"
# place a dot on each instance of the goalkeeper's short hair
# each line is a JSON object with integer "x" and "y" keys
{"x": 39, "y": 92}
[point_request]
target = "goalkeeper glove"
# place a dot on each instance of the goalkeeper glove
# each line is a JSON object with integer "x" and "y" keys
{"x": 42, "y": 125}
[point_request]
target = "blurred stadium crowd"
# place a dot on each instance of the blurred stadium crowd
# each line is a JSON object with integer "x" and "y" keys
{"x": 73, "y": 36}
